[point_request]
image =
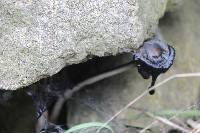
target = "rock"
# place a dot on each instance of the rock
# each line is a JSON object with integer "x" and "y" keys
{"x": 173, "y": 5}
{"x": 39, "y": 38}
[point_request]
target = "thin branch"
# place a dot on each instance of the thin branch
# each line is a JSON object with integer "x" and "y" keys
{"x": 68, "y": 93}
{"x": 195, "y": 125}
{"x": 184, "y": 75}
{"x": 149, "y": 126}
{"x": 167, "y": 122}
{"x": 161, "y": 119}
{"x": 171, "y": 118}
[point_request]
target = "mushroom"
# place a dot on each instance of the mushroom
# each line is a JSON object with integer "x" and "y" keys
{"x": 153, "y": 58}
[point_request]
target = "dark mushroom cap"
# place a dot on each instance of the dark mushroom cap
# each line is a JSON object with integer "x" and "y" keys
{"x": 156, "y": 54}
{"x": 153, "y": 58}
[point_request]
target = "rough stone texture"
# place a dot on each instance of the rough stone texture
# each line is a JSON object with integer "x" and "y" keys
{"x": 38, "y": 38}
{"x": 173, "y": 5}
{"x": 180, "y": 28}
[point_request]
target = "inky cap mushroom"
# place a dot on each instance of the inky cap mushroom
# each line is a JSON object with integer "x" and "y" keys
{"x": 153, "y": 58}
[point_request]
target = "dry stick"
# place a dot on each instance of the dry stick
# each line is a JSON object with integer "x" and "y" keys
{"x": 184, "y": 75}
{"x": 166, "y": 121}
{"x": 155, "y": 122}
{"x": 195, "y": 130}
{"x": 68, "y": 93}
{"x": 149, "y": 126}
{"x": 194, "y": 125}
{"x": 161, "y": 119}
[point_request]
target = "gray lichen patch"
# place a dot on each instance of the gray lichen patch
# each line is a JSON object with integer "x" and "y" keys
{"x": 39, "y": 38}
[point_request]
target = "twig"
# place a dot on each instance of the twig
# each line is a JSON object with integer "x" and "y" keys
{"x": 68, "y": 93}
{"x": 194, "y": 125}
{"x": 184, "y": 75}
{"x": 167, "y": 122}
{"x": 156, "y": 122}
{"x": 161, "y": 119}
{"x": 149, "y": 126}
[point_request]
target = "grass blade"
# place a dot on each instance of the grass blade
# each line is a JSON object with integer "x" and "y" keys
{"x": 89, "y": 125}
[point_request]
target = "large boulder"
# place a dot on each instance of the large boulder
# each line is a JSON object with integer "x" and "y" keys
{"x": 39, "y": 38}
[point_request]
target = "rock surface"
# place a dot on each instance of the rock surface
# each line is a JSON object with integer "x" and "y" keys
{"x": 39, "y": 38}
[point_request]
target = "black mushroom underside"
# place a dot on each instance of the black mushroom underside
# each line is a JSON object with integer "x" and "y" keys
{"x": 153, "y": 58}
